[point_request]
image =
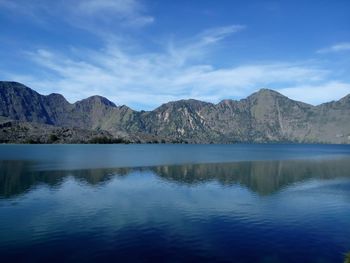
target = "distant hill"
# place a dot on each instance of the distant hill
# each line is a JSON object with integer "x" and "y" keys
{"x": 264, "y": 116}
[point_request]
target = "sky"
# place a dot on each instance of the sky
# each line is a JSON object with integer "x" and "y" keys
{"x": 143, "y": 53}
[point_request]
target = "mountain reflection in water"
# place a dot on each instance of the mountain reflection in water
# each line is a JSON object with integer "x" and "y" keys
{"x": 262, "y": 177}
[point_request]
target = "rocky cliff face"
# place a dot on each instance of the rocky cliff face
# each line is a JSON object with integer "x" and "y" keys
{"x": 265, "y": 116}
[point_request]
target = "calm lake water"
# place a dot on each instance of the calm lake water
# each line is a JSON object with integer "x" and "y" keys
{"x": 174, "y": 203}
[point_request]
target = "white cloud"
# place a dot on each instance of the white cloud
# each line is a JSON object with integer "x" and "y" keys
{"x": 345, "y": 46}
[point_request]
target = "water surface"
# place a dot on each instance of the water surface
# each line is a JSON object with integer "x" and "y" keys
{"x": 174, "y": 203}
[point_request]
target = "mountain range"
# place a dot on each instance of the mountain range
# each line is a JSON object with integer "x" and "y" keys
{"x": 264, "y": 116}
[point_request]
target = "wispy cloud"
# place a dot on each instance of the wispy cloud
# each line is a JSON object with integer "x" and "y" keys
{"x": 200, "y": 44}
{"x": 344, "y": 46}
{"x": 129, "y": 12}
{"x": 145, "y": 80}
{"x": 77, "y": 12}
{"x": 214, "y": 35}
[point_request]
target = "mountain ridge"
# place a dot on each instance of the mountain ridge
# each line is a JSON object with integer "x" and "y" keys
{"x": 260, "y": 91}
{"x": 264, "y": 116}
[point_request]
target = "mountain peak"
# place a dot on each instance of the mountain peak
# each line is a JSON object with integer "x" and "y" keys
{"x": 265, "y": 92}
{"x": 265, "y": 95}
{"x": 345, "y": 99}
{"x": 96, "y": 99}
{"x": 185, "y": 103}
{"x": 57, "y": 97}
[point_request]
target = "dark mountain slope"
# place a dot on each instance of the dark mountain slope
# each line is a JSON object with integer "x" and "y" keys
{"x": 19, "y": 102}
{"x": 22, "y": 103}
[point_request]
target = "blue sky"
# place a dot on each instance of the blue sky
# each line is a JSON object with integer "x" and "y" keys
{"x": 143, "y": 53}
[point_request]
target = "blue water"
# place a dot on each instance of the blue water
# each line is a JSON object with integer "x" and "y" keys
{"x": 174, "y": 203}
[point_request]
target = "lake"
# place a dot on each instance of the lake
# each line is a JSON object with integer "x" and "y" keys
{"x": 174, "y": 203}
